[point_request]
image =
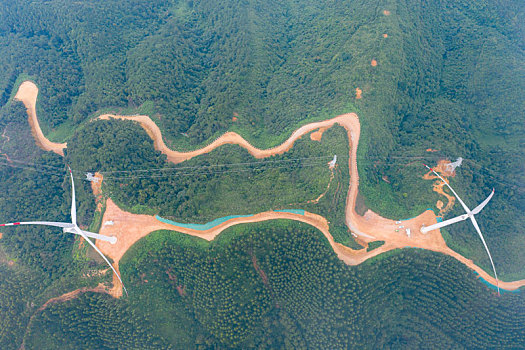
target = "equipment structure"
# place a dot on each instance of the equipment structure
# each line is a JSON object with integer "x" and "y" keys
{"x": 470, "y": 214}
{"x": 73, "y": 228}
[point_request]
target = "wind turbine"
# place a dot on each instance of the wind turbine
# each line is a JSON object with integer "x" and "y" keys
{"x": 73, "y": 228}
{"x": 470, "y": 214}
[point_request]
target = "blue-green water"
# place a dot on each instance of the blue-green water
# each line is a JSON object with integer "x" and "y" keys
{"x": 201, "y": 227}
{"x": 216, "y": 222}
{"x": 293, "y": 211}
{"x": 493, "y": 287}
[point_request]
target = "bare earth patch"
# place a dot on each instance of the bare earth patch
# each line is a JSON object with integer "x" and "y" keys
{"x": 96, "y": 186}
{"x": 27, "y": 93}
{"x": 439, "y": 186}
{"x": 317, "y": 135}
{"x": 358, "y": 93}
{"x": 373, "y": 63}
{"x": 386, "y": 13}
{"x": 385, "y": 35}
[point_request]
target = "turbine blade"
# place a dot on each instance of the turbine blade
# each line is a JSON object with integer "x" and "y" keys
{"x": 450, "y": 188}
{"x": 44, "y": 223}
{"x": 110, "y": 239}
{"x": 102, "y": 255}
{"x": 475, "y": 223}
{"x": 73, "y": 205}
{"x": 444, "y": 223}
{"x": 483, "y": 204}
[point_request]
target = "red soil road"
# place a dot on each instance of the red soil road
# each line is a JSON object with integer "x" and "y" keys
{"x": 131, "y": 227}
{"x": 228, "y": 138}
{"x": 60, "y": 299}
{"x": 27, "y": 93}
{"x": 371, "y": 227}
{"x": 6, "y": 157}
{"x": 72, "y": 295}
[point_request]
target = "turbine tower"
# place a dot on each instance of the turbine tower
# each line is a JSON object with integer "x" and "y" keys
{"x": 73, "y": 228}
{"x": 470, "y": 214}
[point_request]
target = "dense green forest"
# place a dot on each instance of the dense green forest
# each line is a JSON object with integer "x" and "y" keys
{"x": 36, "y": 263}
{"x": 279, "y": 285}
{"x": 224, "y": 182}
{"x": 450, "y": 76}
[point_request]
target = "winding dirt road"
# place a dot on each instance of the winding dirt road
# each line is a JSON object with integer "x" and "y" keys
{"x": 371, "y": 227}
{"x": 27, "y": 94}
{"x": 129, "y": 227}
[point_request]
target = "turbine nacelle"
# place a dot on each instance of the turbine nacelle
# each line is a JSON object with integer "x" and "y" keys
{"x": 75, "y": 230}
{"x": 72, "y": 227}
{"x": 469, "y": 215}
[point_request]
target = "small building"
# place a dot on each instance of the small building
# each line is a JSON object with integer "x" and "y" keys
{"x": 332, "y": 162}
{"x": 91, "y": 177}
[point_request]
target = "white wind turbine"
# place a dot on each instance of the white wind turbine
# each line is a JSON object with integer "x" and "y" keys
{"x": 73, "y": 228}
{"x": 470, "y": 214}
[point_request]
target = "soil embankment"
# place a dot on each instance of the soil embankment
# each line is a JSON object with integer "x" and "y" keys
{"x": 27, "y": 94}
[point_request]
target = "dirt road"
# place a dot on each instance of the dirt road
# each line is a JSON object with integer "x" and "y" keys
{"x": 371, "y": 227}
{"x": 60, "y": 299}
{"x": 27, "y": 93}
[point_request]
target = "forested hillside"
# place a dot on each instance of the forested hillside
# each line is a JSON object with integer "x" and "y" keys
{"x": 428, "y": 79}
{"x": 441, "y": 75}
{"x": 278, "y": 285}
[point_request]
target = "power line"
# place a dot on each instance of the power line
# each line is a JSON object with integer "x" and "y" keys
{"x": 200, "y": 173}
{"x": 218, "y": 165}
{"x": 256, "y": 165}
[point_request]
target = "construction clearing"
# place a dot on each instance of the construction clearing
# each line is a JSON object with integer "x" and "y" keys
{"x": 370, "y": 227}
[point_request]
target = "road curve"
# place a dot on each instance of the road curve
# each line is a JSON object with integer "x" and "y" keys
{"x": 371, "y": 227}
{"x": 27, "y": 93}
